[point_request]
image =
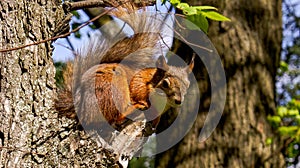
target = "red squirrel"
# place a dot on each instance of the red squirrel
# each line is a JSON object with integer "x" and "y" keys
{"x": 112, "y": 79}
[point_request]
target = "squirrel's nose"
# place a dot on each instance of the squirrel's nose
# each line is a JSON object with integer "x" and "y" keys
{"x": 177, "y": 101}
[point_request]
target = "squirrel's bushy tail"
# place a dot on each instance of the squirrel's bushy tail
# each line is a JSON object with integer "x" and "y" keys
{"x": 138, "y": 50}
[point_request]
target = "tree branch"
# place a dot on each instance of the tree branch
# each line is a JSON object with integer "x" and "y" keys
{"x": 70, "y": 6}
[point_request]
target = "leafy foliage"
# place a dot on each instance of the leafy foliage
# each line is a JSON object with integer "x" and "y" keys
{"x": 76, "y": 14}
{"x": 74, "y": 26}
{"x": 287, "y": 119}
{"x": 198, "y": 14}
{"x": 287, "y": 123}
{"x": 142, "y": 162}
{"x": 60, "y": 67}
{"x": 79, "y": 17}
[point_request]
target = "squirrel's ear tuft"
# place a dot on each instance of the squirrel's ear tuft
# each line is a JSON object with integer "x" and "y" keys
{"x": 161, "y": 63}
{"x": 190, "y": 67}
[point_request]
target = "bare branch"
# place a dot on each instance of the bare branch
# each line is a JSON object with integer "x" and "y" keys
{"x": 70, "y": 6}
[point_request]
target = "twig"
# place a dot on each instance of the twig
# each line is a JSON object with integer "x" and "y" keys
{"x": 177, "y": 22}
{"x": 182, "y": 38}
{"x": 185, "y": 40}
{"x": 70, "y": 44}
{"x": 287, "y": 142}
{"x": 72, "y": 50}
{"x": 164, "y": 42}
{"x": 192, "y": 44}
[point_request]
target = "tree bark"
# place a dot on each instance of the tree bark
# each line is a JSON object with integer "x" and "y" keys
{"x": 27, "y": 82}
{"x": 31, "y": 134}
{"x": 249, "y": 47}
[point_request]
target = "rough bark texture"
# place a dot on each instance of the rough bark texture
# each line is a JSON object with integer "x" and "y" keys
{"x": 27, "y": 81}
{"x": 31, "y": 134}
{"x": 249, "y": 46}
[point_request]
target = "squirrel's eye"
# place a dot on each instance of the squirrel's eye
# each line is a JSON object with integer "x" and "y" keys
{"x": 165, "y": 83}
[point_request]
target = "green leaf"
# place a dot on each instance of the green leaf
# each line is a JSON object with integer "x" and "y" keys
{"x": 75, "y": 25}
{"x": 76, "y": 14}
{"x": 175, "y": 2}
{"x": 163, "y": 2}
{"x": 291, "y": 151}
{"x": 288, "y": 130}
{"x": 199, "y": 22}
{"x": 205, "y": 8}
{"x": 92, "y": 26}
{"x": 293, "y": 112}
{"x": 294, "y": 104}
{"x": 282, "y": 111}
{"x": 60, "y": 67}
{"x": 183, "y": 6}
{"x": 77, "y": 34}
{"x": 214, "y": 16}
{"x": 284, "y": 66}
{"x": 269, "y": 141}
{"x": 274, "y": 120}
{"x": 190, "y": 11}
{"x": 198, "y": 15}
{"x": 297, "y": 118}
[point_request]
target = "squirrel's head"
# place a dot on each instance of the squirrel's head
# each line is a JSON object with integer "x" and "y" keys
{"x": 175, "y": 82}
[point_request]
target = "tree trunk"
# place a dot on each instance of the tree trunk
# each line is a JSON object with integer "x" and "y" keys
{"x": 249, "y": 47}
{"x": 31, "y": 134}
{"x": 27, "y": 82}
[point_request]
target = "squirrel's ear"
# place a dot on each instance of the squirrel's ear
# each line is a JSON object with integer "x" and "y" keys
{"x": 161, "y": 63}
{"x": 191, "y": 65}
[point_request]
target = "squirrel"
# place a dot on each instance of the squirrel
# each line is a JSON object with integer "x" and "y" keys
{"x": 115, "y": 80}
